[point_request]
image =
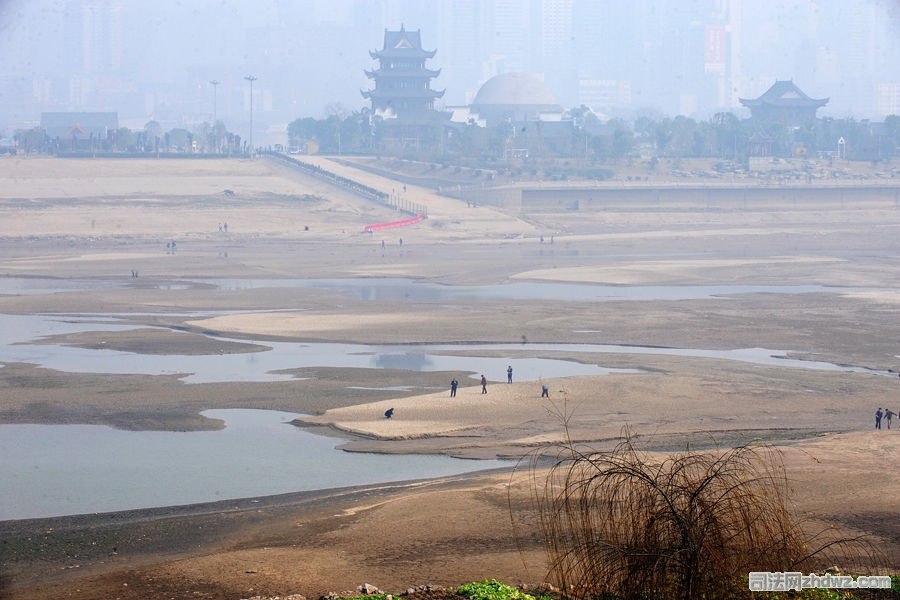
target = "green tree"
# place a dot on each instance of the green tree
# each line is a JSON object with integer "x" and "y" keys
{"x": 470, "y": 140}
{"x": 684, "y": 137}
{"x": 730, "y": 137}
{"x": 805, "y": 136}
{"x": 205, "y": 138}
{"x": 645, "y": 127}
{"x": 179, "y": 139}
{"x": 584, "y": 120}
{"x": 622, "y": 143}
{"x": 31, "y": 140}
{"x": 663, "y": 134}
{"x": 351, "y": 132}
{"x": 302, "y": 129}
{"x": 327, "y": 134}
{"x": 125, "y": 140}
{"x": 892, "y": 130}
{"x": 152, "y": 135}
{"x": 858, "y": 138}
{"x": 497, "y": 139}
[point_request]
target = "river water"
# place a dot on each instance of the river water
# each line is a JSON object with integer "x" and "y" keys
{"x": 50, "y": 470}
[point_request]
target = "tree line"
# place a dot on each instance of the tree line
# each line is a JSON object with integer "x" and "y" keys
{"x": 205, "y": 138}
{"x": 582, "y": 135}
{"x": 585, "y": 136}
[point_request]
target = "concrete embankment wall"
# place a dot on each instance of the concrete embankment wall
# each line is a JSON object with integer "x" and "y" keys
{"x": 530, "y": 200}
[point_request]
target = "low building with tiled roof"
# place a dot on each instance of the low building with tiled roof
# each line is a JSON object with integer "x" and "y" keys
{"x": 81, "y": 125}
{"x": 784, "y": 103}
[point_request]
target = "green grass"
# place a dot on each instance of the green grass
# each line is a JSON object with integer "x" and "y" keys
{"x": 493, "y": 590}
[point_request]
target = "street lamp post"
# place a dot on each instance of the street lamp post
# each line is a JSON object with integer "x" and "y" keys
{"x": 251, "y": 79}
{"x": 215, "y": 84}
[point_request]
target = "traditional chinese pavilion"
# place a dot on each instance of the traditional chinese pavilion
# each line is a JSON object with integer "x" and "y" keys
{"x": 784, "y": 103}
{"x": 402, "y": 83}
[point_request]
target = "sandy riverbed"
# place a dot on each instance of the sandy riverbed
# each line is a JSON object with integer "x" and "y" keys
{"x": 101, "y": 220}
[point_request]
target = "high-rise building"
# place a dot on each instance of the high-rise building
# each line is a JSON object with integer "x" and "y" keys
{"x": 94, "y": 52}
{"x": 558, "y": 60}
{"x": 510, "y": 47}
{"x": 888, "y": 99}
{"x": 461, "y": 40}
{"x": 94, "y": 37}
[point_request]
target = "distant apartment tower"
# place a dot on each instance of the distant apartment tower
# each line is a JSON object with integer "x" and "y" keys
{"x": 94, "y": 37}
{"x": 402, "y": 83}
{"x": 604, "y": 94}
{"x": 888, "y": 99}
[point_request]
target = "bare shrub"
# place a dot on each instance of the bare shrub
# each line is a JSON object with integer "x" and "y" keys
{"x": 690, "y": 525}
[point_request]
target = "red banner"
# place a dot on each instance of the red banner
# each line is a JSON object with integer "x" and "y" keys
{"x": 378, "y": 226}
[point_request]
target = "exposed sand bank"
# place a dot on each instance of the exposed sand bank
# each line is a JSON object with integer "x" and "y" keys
{"x": 98, "y": 221}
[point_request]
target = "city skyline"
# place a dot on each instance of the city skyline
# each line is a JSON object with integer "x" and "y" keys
{"x": 309, "y": 56}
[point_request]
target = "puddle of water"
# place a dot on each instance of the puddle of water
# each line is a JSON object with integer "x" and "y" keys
{"x": 52, "y": 470}
{"x": 409, "y": 289}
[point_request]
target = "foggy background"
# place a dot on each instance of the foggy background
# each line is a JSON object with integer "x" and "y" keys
{"x": 155, "y": 60}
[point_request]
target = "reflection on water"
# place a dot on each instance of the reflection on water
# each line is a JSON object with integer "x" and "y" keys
{"x": 16, "y": 333}
{"x": 50, "y": 470}
{"x": 405, "y": 362}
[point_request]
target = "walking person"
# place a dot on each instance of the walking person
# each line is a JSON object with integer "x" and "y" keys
{"x": 878, "y": 415}
{"x": 453, "y": 385}
{"x": 509, "y": 374}
{"x": 888, "y": 415}
{"x": 545, "y": 391}
{"x": 484, "y": 385}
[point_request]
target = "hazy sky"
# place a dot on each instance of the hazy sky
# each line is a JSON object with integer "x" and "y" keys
{"x": 156, "y": 59}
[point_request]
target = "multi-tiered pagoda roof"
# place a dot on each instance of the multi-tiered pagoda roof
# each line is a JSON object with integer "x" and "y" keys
{"x": 402, "y": 83}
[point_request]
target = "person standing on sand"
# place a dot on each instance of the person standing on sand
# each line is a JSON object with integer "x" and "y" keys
{"x": 509, "y": 374}
{"x": 484, "y": 385}
{"x": 878, "y": 415}
{"x": 545, "y": 391}
{"x": 453, "y": 385}
{"x": 888, "y": 415}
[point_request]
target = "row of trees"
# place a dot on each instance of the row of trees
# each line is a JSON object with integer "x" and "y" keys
{"x": 584, "y": 136}
{"x": 206, "y": 138}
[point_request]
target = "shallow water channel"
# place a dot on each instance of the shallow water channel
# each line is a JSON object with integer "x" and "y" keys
{"x": 401, "y": 288}
{"x": 19, "y": 332}
{"x": 52, "y": 470}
